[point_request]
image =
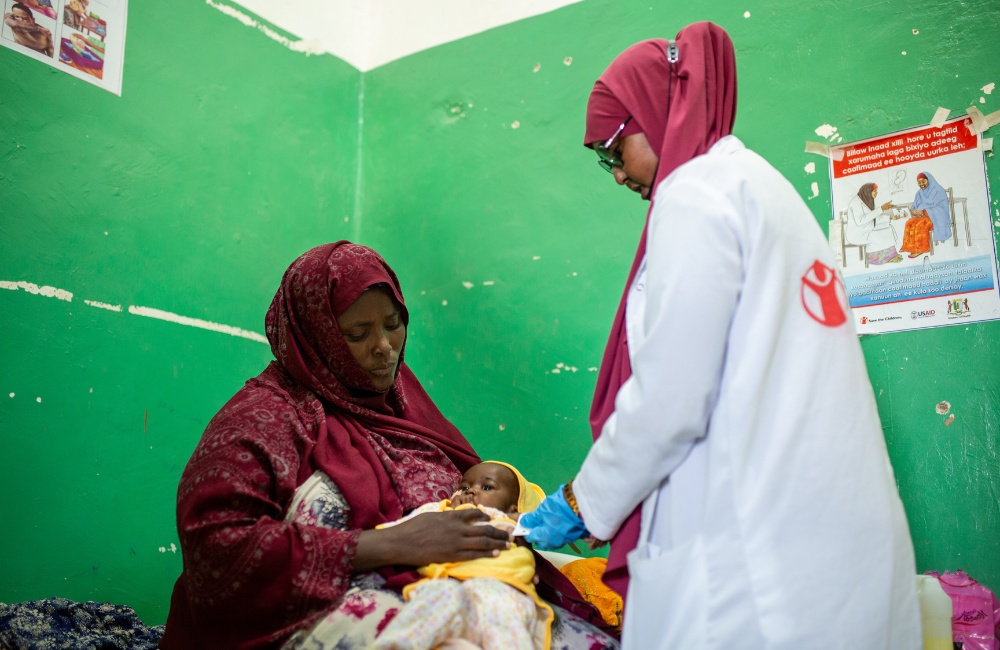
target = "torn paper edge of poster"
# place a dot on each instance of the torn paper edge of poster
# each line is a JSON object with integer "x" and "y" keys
{"x": 823, "y": 150}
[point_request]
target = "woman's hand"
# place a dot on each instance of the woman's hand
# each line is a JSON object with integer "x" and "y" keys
{"x": 432, "y": 537}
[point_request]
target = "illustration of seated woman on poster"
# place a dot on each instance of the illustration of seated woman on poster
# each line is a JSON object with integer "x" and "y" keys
{"x": 870, "y": 227}
{"x": 933, "y": 199}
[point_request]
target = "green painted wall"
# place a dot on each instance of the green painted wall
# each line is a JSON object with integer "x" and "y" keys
{"x": 454, "y": 193}
{"x": 227, "y": 155}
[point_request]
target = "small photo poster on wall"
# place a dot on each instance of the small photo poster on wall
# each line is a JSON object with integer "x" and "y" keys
{"x": 83, "y": 38}
{"x": 911, "y": 229}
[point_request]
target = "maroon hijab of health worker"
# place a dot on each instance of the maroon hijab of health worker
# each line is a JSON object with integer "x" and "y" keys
{"x": 683, "y": 107}
{"x": 250, "y": 576}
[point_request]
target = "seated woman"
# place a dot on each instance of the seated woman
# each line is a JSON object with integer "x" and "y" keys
{"x": 277, "y": 508}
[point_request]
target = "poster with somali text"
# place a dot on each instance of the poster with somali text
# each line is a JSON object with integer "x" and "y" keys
{"x": 911, "y": 229}
{"x": 83, "y": 38}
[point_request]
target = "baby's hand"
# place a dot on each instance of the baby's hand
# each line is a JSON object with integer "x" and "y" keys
{"x": 593, "y": 543}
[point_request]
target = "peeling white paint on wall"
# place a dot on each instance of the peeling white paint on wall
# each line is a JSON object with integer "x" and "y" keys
{"x": 815, "y": 190}
{"x": 307, "y": 47}
{"x": 829, "y": 132}
{"x": 562, "y": 367}
{"x": 988, "y": 88}
{"x": 103, "y": 305}
{"x": 62, "y": 294}
{"x": 159, "y": 314}
{"x": 811, "y": 168}
{"x": 370, "y": 33}
{"x": 47, "y": 291}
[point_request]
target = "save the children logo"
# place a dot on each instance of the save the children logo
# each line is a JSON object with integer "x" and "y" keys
{"x": 823, "y": 295}
{"x": 958, "y": 308}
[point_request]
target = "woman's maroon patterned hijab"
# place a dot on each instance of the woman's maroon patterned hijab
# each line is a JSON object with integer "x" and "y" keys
{"x": 386, "y": 451}
{"x": 683, "y": 109}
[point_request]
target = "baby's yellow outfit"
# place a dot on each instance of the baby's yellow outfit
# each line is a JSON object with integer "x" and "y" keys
{"x": 477, "y": 604}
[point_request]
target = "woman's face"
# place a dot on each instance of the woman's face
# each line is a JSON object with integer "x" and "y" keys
{"x": 923, "y": 183}
{"x": 374, "y": 330}
{"x": 639, "y": 163}
{"x": 874, "y": 192}
{"x": 23, "y": 16}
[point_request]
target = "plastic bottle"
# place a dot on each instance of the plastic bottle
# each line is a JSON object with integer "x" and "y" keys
{"x": 935, "y": 614}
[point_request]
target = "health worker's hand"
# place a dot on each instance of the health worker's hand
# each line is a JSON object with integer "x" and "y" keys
{"x": 553, "y": 523}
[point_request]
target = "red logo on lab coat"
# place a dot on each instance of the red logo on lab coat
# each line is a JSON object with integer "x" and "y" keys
{"x": 823, "y": 295}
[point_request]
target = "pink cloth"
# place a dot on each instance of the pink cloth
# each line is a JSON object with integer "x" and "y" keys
{"x": 683, "y": 109}
{"x": 975, "y": 621}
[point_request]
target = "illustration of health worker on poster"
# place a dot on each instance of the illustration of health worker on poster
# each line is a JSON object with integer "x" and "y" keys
{"x": 911, "y": 229}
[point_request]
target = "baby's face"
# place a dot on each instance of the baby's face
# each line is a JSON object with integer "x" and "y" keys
{"x": 488, "y": 484}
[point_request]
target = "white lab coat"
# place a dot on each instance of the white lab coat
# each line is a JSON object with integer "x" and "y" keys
{"x": 870, "y": 227}
{"x": 755, "y": 426}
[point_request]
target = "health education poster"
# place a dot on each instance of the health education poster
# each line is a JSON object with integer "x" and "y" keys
{"x": 83, "y": 38}
{"x": 911, "y": 229}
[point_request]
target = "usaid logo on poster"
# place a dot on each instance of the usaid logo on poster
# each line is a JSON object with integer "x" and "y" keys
{"x": 926, "y": 313}
{"x": 823, "y": 295}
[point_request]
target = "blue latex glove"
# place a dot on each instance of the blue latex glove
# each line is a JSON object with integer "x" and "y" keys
{"x": 553, "y": 523}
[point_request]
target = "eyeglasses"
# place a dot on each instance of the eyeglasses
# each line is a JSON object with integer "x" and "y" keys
{"x": 606, "y": 157}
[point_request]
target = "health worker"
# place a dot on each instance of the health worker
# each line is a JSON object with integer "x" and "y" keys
{"x": 739, "y": 466}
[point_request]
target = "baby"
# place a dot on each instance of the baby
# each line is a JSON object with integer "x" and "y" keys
{"x": 490, "y": 601}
